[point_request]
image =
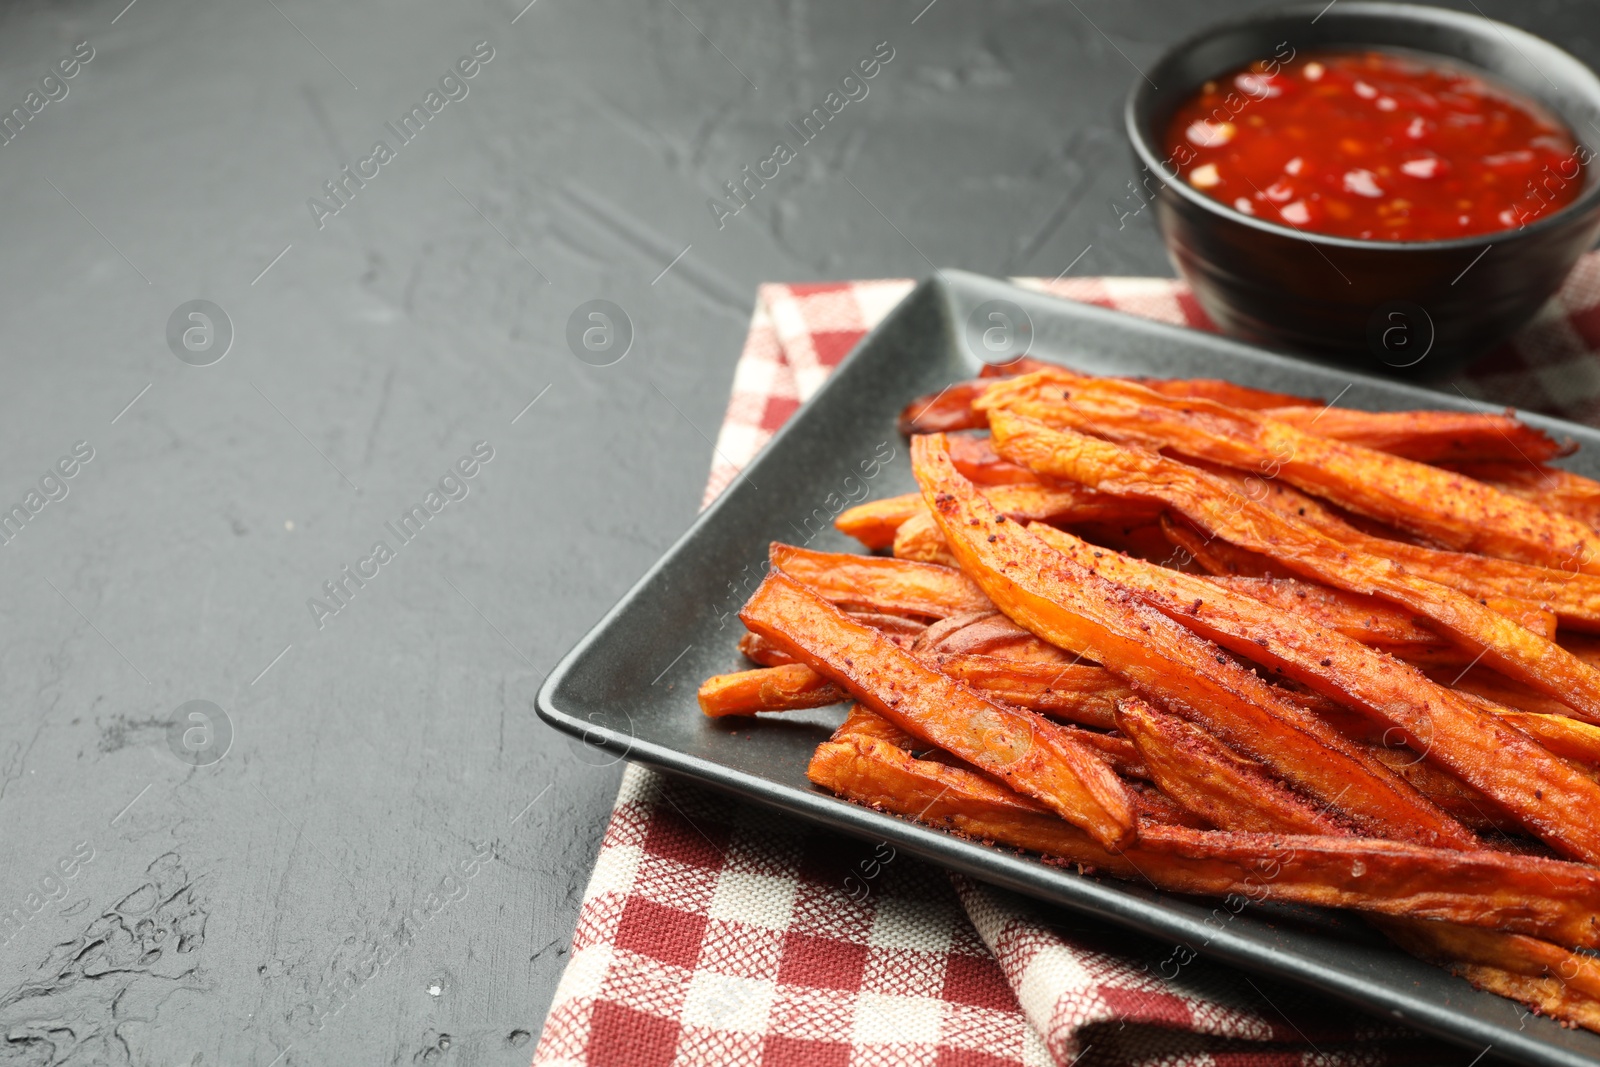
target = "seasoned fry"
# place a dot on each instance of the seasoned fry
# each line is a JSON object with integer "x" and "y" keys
{"x": 1573, "y": 597}
{"x": 1560, "y": 983}
{"x": 876, "y": 523}
{"x": 919, "y": 539}
{"x": 1440, "y": 437}
{"x": 1363, "y": 618}
{"x": 947, "y": 410}
{"x": 1216, "y": 556}
{"x": 1549, "y": 487}
{"x": 1118, "y": 752}
{"x": 1214, "y": 389}
{"x": 951, "y": 408}
{"x": 901, "y": 630}
{"x": 896, "y": 586}
{"x": 1203, "y": 775}
{"x": 873, "y": 772}
{"x": 1468, "y": 805}
{"x": 1231, "y": 563}
{"x": 763, "y": 652}
{"x": 1428, "y": 436}
{"x": 1071, "y": 607}
{"x": 987, "y": 633}
{"x": 1550, "y": 899}
{"x": 1021, "y": 748}
{"x": 1233, "y": 793}
{"x": 1446, "y": 507}
{"x": 1567, "y": 738}
{"x": 976, "y": 458}
{"x": 865, "y": 721}
{"x": 1211, "y": 503}
{"x": 1489, "y": 686}
{"x": 1551, "y": 799}
{"x": 1075, "y": 692}
{"x": 1360, "y": 618}
{"x": 790, "y": 687}
{"x": 1510, "y": 964}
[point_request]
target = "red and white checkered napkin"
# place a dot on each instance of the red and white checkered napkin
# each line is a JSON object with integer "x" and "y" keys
{"x": 716, "y": 933}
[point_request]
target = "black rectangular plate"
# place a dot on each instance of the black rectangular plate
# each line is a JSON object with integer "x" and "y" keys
{"x": 628, "y": 688}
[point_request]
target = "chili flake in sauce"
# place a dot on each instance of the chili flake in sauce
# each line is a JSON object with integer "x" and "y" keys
{"x": 1378, "y": 145}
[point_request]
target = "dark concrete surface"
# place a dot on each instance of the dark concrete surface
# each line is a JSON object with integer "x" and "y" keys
{"x": 387, "y": 753}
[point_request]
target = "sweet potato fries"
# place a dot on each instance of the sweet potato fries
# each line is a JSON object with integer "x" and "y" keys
{"x": 1225, "y": 641}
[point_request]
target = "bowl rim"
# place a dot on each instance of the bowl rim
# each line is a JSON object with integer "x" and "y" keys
{"x": 1142, "y": 89}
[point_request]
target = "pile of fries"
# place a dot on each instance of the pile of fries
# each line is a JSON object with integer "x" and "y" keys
{"x": 1230, "y": 643}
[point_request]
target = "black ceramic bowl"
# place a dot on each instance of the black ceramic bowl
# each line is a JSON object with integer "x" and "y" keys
{"x": 1417, "y": 307}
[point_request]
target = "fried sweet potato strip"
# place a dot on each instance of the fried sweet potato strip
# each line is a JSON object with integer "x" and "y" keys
{"x": 1489, "y": 686}
{"x": 1360, "y": 618}
{"x": 899, "y": 587}
{"x": 918, "y": 539}
{"x": 987, "y": 634}
{"x": 1019, "y": 747}
{"x": 1217, "y": 390}
{"x": 1076, "y": 693}
{"x": 1213, "y": 782}
{"x": 1428, "y": 436}
{"x": 1118, "y": 752}
{"x": 903, "y": 631}
{"x": 1559, "y": 490}
{"x": 1512, "y": 965}
{"x": 1214, "y": 555}
{"x": 1447, "y": 508}
{"x": 1468, "y": 805}
{"x": 1363, "y": 618}
{"x": 1440, "y": 437}
{"x": 873, "y": 772}
{"x": 876, "y": 523}
{"x": 1560, "y": 983}
{"x": 791, "y": 687}
{"x": 1073, "y": 608}
{"x": 1573, "y": 597}
{"x": 1549, "y": 797}
{"x": 1231, "y": 563}
{"x": 951, "y": 408}
{"x": 1233, "y": 793}
{"x": 948, "y": 409}
{"x": 976, "y": 458}
{"x": 760, "y": 651}
{"x": 1212, "y": 504}
{"x": 1550, "y": 487}
{"x": 1549, "y": 899}
{"x": 868, "y": 723}
{"x": 1567, "y": 738}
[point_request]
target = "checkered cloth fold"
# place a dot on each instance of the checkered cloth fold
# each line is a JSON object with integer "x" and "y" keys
{"x": 719, "y": 934}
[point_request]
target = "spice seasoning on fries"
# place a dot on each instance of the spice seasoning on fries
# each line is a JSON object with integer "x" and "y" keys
{"x": 1226, "y": 642}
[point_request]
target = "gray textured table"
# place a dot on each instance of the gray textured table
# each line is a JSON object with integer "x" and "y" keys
{"x": 385, "y": 862}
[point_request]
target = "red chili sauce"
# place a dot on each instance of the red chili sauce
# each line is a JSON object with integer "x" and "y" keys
{"x": 1378, "y": 145}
